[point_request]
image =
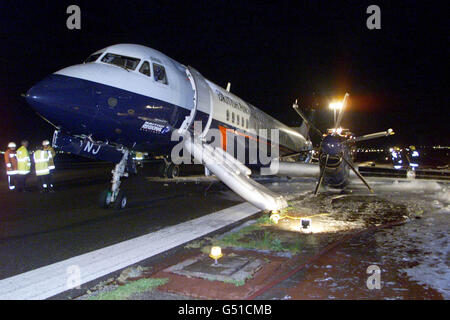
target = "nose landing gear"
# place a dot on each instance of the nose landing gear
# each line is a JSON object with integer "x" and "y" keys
{"x": 115, "y": 196}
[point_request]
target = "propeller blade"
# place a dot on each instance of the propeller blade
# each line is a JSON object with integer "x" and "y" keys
{"x": 341, "y": 112}
{"x": 386, "y": 133}
{"x": 358, "y": 174}
{"x": 311, "y": 125}
{"x": 322, "y": 173}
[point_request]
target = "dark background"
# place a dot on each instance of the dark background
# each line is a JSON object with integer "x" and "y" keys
{"x": 271, "y": 52}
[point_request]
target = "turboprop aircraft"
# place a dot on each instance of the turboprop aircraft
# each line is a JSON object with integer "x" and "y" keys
{"x": 336, "y": 152}
{"x": 129, "y": 97}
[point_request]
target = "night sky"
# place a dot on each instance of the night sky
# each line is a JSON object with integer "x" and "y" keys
{"x": 271, "y": 52}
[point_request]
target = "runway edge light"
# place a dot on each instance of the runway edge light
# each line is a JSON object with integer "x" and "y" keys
{"x": 305, "y": 223}
{"x": 216, "y": 253}
{"x": 275, "y": 217}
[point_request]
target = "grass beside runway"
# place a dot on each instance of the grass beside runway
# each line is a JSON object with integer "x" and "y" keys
{"x": 128, "y": 290}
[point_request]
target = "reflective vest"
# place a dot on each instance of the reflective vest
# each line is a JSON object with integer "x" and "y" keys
{"x": 139, "y": 156}
{"x": 23, "y": 159}
{"x": 51, "y": 157}
{"x": 11, "y": 162}
{"x": 41, "y": 162}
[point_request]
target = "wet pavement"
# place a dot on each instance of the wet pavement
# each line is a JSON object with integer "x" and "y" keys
{"x": 400, "y": 232}
{"x": 41, "y": 229}
{"x": 413, "y": 258}
{"x": 343, "y": 273}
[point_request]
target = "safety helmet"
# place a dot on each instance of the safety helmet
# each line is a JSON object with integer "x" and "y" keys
{"x": 45, "y": 143}
{"x": 11, "y": 145}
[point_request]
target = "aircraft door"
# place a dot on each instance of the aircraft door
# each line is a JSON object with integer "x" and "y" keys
{"x": 203, "y": 105}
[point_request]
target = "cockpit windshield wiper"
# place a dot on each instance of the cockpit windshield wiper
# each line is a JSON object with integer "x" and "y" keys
{"x": 124, "y": 67}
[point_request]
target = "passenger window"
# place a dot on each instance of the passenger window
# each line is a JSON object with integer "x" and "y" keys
{"x": 228, "y": 115}
{"x": 232, "y": 117}
{"x": 237, "y": 119}
{"x": 145, "y": 69}
{"x": 160, "y": 73}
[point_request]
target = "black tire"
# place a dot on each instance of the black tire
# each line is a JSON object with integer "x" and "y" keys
{"x": 162, "y": 170}
{"x": 121, "y": 201}
{"x": 173, "y": 171}
{"x": 105, "y": 199}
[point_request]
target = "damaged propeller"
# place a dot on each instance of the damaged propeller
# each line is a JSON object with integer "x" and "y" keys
{"x": 334, "y": 150}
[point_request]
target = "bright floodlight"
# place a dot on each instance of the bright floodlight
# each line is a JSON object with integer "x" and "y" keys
{"x": 336, "y": 105}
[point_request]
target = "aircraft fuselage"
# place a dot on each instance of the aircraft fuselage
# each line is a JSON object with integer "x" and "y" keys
{"x": 140, "y": 103}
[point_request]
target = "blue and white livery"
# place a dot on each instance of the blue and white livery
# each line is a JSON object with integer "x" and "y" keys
{"x": 130, "y": 97}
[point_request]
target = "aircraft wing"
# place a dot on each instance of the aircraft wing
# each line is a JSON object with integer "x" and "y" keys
{"x": 297, "y": 169}
{"x": 294, "y": 169}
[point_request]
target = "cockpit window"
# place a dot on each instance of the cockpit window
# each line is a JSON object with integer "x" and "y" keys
{"x": 145, "y": 69}
{"x": 93, "y": 57}
{"x": 121, "y": 61}
{"x": 160, "y": 73}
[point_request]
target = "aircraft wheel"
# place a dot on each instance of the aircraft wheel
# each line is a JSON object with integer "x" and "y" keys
{"x": 105, "y": 199}
{"x": 173, "y": 171}
{"x": 162, "y": 170}
{"x": 121, "y": 200}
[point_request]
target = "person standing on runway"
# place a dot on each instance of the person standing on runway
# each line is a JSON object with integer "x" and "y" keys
{"x": 41, "y": 158}
{"x": 24, "y": 164}
{"x": 51, "y": 161}
{"x": 11, "y": 165}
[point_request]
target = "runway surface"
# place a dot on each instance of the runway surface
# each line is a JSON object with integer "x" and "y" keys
{"x": 40, "y": 229}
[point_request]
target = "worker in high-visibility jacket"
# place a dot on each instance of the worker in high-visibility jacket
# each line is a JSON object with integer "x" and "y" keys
{"x": 41, "y": 158}
{"x": 51, "y": 160}
{"x": 138, "y": 158}
{"x": 23, "y": 166}
{"x": 51, "y": 155}
{"x": 11, "y": 165}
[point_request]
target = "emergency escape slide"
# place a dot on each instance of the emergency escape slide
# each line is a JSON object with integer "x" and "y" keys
{"x": 223, "y": 165}
{"x": 234, "y": 174}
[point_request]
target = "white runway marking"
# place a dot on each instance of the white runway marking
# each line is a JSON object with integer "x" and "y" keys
{"x": 53, "y": 279}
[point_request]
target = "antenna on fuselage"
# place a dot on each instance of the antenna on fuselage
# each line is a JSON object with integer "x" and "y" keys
{"x": 228, "y": 86}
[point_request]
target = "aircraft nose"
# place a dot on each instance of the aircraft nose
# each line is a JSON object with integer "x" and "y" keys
{"x": 62, "y": 100}
{"x": 46, "y": 95}
{"x": 35, "y": 95}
